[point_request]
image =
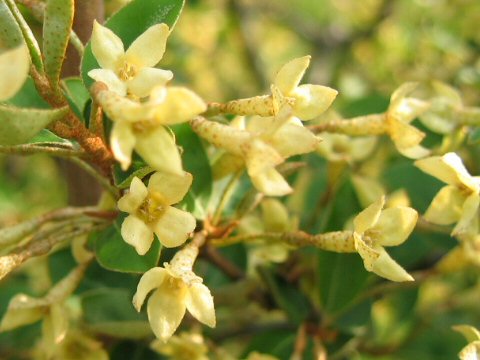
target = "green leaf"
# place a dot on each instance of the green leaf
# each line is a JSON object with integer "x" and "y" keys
{"x": 20, "y": 125}
{"x": 474, "y": 136}
{"x": 113, "y": 253}
{"x": 340, "y": 278}
{"x": 195, "y": 161}
{"x": 140, "y": 173}
{"x": 10, "y": 33}
{"x": 107, "y": 305}
{"x": 130, "y": 22}
{"x": 47, "y": 136}
{"x": 57, "y": 25}
{"x": 76, "y": 94}
{"x": 28, "y": 97}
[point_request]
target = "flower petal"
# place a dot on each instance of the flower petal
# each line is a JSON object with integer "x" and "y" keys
{"x": 470, "y": 352}
{"x": 55, "y": 325}
{"x": 275, "y": 216}
{"x": 150, "y": 280}
{"x": 448, "y": 168}
{"x": 369, "y": 216}
{"x": 404, "y": 135}
{"x": 22, "y": 310}
{"x": 131, "y": 201}
{"x": 408, "y": 109}
{"x": 271, "y": 183}
{"x": 109, "y": 78}
{"x": 174, "y": 227}
{"x": 148, "y": 49}
{"x": 290, "y": 74}
{"x": 368, "y": 254}
{"x": 469, "y": 213}
{"x": 414, "y": 152}
{"x": 259, "y": 157}
{"x": 199, "y": 303}
{"x": 389, "y": 269}
{"x": 312, "y": 100}
{"x": 291, "y": 139}
{"x": 122, "y": 142}
{"x": 106, "y": 47}
{"x": 171, "y": 187}
{"x": 14, "y": 66}
{"x": 159, "y": 150}
{"x": 180, "y": 105}
{"x": 136, "y": 233}
{"x": 446, "y": 206}
{"x": 146, "y": 79}
{"x": 166, "y": 309}
{"x": 395, "y": 225}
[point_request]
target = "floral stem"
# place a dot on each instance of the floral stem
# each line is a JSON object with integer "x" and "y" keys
{"x": 374, "y": 124}
{"x": 225, "y": 197}
{"x": 29, "y": 149}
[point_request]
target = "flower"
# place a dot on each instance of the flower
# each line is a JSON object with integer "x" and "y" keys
{"x": 307, "y": 101}
{"x": 150, "y": 212}
{"x": 131, "y": 71}
{"x": 472, "y": 350}
{"x": 340, "y": 147}
{"x": 375, "y": 228}
{"x": 262, "y": 144}
{"x": 457, "y": 202}
{"x": 186, "y": 346}
{"x": 142, "y": 126}
{"x": 14, "y": 67}
{"x": 401, "y": 111}
{"x": 177, "y": 289}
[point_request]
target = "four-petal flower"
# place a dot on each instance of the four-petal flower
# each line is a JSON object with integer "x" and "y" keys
{"x": 150, "y": 212}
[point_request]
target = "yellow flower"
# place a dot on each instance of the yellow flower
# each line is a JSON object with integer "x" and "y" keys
{"x": 177, "y": 289}
{"x": 14, "y": 67}
{"x": 186, "y": 346}
{"x": 142, "y": 126}
{"x": 131, "y": 71}
{"x": 340, "y": 147}
{"x": 472, "y": 350}
{"x": 401, "y": 111}
{"x": 23, "y": 309}
{"x": 150, "y": 212}
{"x": 263, "y": 144}
{"x": 458, "y": 201}
{"x": 307, "y": 101}
{"x": 375, "y": 228}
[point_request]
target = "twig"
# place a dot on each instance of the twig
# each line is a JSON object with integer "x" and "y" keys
{"x": 29, "y": 149}
{"x": 213, "y": 256}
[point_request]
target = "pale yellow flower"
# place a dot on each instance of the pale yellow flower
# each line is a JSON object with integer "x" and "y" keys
{"x": 263, "y": 144}
{"x": 14, "y": 67}
{"x": 401, "y": 112}
{"x": 472, "y": 350}
{"x": 259, "y": 356}
{"x": 151, "y": 212}
{"x": 374, "y": 229}
{"x": 306, "y": 101}
{"x": 457, "y": 202}
{"x": 131, "y": 71}
{"x": 185, "y": 346}
{"x": 340, "y": 147}
{"x": 142, "y": 126}
{"x": 176, "y": 289}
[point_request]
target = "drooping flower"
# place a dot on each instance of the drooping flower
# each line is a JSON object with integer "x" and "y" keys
{"x": 472, "y": 350}
{"x": 14, "y": 67}
{"x": 307, "y": 101}
{"x": 150, "y": 212}
{"x": 263, "y": 144}
{"x": 457, "y": 202}
{"x": 374, "y": 229}
{"x": 401, "y": 112}
{"x": 176, "y": 289}
{"x": 185, "y": 346}
{"x": 131, "y": 71}
{"x": 142, "y": 126}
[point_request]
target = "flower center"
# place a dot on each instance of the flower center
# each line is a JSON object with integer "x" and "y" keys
{"x": 127, "y": 71}
{"x": 151, "y": 209}
{"x": 143, "y": 126}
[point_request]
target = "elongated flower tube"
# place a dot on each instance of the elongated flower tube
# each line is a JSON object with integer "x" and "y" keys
{"x": 176, "y": 289}
{"x": 262, "y": 145}
{"x": 150, "y": 212}
{"x": 14, "y": 66}
{"x": 142, "y": 126}
{"x": 457, "y": 202}
{"x": 131, "y": 71}
{"x": 307, "y": 101}
{"x": 374, "y": 229}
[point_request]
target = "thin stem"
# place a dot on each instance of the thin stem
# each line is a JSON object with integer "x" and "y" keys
{"x": 29, "y": 149}
{"x": 77, "y": 43}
